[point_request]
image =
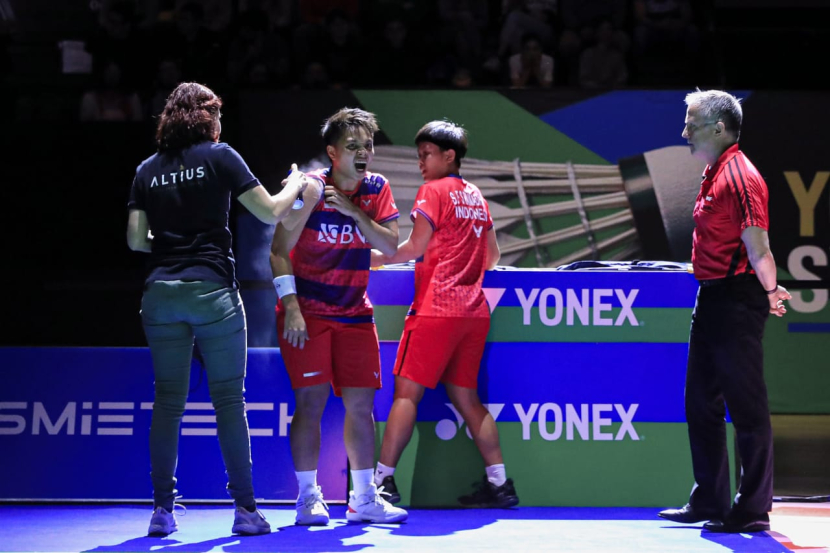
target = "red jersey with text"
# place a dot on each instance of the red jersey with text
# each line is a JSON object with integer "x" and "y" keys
{"x": 448, "y": 277}
{"x": 733, "y": 196}
{"x": 332, "y": 257}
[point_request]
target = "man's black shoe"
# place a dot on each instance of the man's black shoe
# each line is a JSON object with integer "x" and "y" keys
{"x": 686, "y": 515}
{"x": 390, "y": 488}
{"x": 489, "y": 496}
{"x": 739, "y": 525}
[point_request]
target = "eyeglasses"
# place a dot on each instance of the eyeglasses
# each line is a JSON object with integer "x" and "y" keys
{"x": 690, "y": 128}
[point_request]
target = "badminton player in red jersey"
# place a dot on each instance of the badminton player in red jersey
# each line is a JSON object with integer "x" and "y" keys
{"x": 454, "y": 242}
{"x": 325, "y": 321}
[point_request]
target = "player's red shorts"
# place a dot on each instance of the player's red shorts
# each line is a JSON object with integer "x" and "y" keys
{"x": 345, "y": 354}
{"x": 442, "y": 349}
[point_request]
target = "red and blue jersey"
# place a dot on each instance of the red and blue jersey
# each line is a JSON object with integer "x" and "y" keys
{"x": 448, "y": 278}
{"x": 332, "y": 257}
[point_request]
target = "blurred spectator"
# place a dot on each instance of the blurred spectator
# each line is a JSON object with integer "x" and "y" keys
{"x": 415, "y": 13}
{"x": 168, "y": 77}
{"x": 396, "y": 59}
{"x": 462, "y": 78}
{"x": 218, "y": 14}
{"x": 468, "y": 17}
{"x": 201, "y": 51}
{"x": 316, "y": 11}
{"x": 315, "y": 77}
{"x": 256, "y": 56}
{"x": 279, "y": 14}
{"x": 664, "y": 27}
{"x": 344, "y": 51}
{"x": 117, "y": 39}
{"x": 580, "y": 20}
{"x": 110, "y": 99}
{"x": 491, "y": 72}
{"x": 455, "y": 53}
{"x": 531, "y": 67}
{"x": 603, "y": 65}
{"x": 521, "y": 17}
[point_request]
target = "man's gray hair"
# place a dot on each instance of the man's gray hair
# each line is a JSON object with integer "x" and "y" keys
{"x": 717, "y": 105}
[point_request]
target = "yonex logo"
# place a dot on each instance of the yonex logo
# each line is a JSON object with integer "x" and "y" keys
{"x": 420, "y": 202}
{"x": 478, "y": 231}
{"x": 589, "y": 307}
{"x": 446, "y": 429}
{"x": 587, "y": 422}
{"x": 493, "y": 296}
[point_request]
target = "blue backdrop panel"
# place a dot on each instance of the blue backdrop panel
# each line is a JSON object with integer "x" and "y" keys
{"x": 518, "y": 375}
{"x": 74, "y": 424}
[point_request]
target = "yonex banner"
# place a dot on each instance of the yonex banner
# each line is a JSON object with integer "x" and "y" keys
{"x": 74, "y": 424}
{"x": 584, "y": 374}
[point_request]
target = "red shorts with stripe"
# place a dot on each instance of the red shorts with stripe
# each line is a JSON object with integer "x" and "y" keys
{"x": 442, "y": 349}
{"x": 345, "y": 354}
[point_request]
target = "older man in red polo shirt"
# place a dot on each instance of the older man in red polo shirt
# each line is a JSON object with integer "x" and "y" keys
{"x": 738, "y": 290}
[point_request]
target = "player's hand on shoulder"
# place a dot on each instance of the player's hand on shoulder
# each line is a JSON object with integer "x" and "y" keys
{"x": 335, "y": 199}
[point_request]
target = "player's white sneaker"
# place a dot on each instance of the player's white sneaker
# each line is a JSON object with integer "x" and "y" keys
{"x": 372, "y": 507}
{"x": 312, "y": 510}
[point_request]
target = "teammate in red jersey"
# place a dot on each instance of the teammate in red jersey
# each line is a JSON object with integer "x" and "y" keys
{"x": 325, "y": 321}
{"x": 454, "y": 241}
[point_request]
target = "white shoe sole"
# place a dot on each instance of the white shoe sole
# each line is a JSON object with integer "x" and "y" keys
{"x": 316, "y": 520}
{"x": 354, "y": 516}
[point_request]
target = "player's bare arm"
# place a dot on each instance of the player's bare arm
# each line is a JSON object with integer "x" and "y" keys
{"x": 412, "y": 248}
{"x": 493, "y": 252}
{"x": 313, "y": 191}
{"x": 284, "y": 240}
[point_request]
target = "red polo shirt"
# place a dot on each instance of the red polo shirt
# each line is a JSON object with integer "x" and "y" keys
{"x": 733, "y": 196}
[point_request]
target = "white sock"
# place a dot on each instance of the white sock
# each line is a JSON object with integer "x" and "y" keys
{"x": 307, "y": 481}
{"x": 362, "y": 480}
{"x": 382, "y": 472}
{"x": 496, "y": 475}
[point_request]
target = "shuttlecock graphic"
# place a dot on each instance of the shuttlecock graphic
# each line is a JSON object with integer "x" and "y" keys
{"x": 639, "y": 209}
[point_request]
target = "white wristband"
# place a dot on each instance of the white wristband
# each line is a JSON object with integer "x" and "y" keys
{"x": 285, "y": 285}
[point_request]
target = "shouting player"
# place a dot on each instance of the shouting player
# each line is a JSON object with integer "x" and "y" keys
{"x": 325, "y": 321}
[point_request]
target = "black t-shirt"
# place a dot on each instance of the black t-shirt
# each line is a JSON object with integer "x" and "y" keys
{"x": 187, "y": 196}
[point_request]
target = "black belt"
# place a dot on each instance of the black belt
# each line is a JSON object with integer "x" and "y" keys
{"x": 743, "y": 277}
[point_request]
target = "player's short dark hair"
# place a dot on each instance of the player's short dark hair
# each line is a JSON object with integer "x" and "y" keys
{"x": 190, "y": 116}
{"x": 345, "y": 120}
{"x": 446, "y": 135}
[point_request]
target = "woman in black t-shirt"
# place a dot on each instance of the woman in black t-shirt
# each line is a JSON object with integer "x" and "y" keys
{"x": 178, "y": 213}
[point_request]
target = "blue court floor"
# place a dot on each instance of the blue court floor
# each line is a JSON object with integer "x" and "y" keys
{"x": 47, "y": 528}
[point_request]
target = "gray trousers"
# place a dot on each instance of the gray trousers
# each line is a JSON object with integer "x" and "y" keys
{"x": 173, "y": 314}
